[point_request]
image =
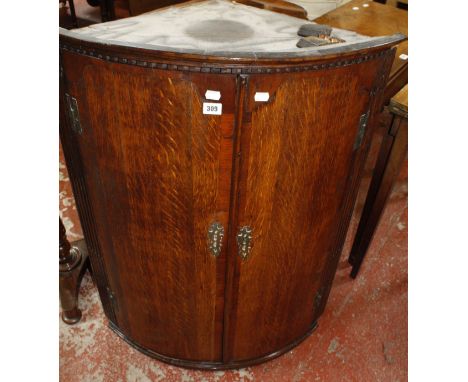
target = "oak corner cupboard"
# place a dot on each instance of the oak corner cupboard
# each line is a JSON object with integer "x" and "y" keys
{"x": 215, "y": 165}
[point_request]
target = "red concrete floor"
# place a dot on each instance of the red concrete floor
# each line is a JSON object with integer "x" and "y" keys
{"x": 362, "y": 335}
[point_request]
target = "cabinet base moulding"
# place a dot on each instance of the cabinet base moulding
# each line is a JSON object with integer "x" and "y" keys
{"x": 201, "y": 365}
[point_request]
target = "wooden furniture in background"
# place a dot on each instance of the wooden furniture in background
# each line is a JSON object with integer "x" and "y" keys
{"x": 73, "y": 23}
{"x": 73, "y": 262}
{"x": 214, "y": 238}
{"x": 137, "y": 7}
{"x": 279, "y": 6}
{"x": 402, "y": 4}
{"x": 392, "y": 153}
{"x": 107, "y": 10}
{"x": 375, "y": 20}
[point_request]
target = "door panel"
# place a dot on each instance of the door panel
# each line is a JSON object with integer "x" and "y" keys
{"x": 296, "y": 154}
{"x": 157, "y": 176}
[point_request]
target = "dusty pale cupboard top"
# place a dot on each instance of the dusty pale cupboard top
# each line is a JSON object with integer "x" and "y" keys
{"x": 219, "y": 28}
{"x": 214, "y": 238}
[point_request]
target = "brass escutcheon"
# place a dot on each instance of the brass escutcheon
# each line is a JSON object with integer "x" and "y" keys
{"x": 215, "y": 238}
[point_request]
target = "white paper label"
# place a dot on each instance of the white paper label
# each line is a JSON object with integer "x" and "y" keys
{"x": 261, "y": 96}
{"x": 403, "y": 57}
{"x": 213, "y": 95}
{"x": 212, "y": 108}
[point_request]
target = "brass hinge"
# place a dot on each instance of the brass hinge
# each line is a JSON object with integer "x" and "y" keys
{"x": 74, "y": 114}
{"x": 244, "y": 238}
{"x": 361, "y": 130}
{"x": 215, "y": 238}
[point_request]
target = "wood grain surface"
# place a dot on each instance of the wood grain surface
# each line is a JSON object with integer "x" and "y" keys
{"x": 393, "y": 150}
{"x": 296, "y": 154}
{"x": 153, "y": 173}
{"x": 375, "y": 20}
{"x": 138, "y": 7}
{"x": 399, "y": 104}
{"x": 152, "y": 166}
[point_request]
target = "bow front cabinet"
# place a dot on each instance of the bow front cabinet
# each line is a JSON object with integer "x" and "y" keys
{"x": 214, "y": 226}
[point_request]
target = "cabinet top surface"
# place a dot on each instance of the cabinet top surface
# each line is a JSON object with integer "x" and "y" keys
{"x": 218, "y": 28}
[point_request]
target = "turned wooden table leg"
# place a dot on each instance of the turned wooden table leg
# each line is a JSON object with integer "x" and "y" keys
{"x": 73, "y": 261}
{"x": 391, "y": 155}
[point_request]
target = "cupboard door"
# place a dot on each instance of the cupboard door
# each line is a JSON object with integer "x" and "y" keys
{"x": 296, "y": 153}
{"x": 157, "y": 173}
